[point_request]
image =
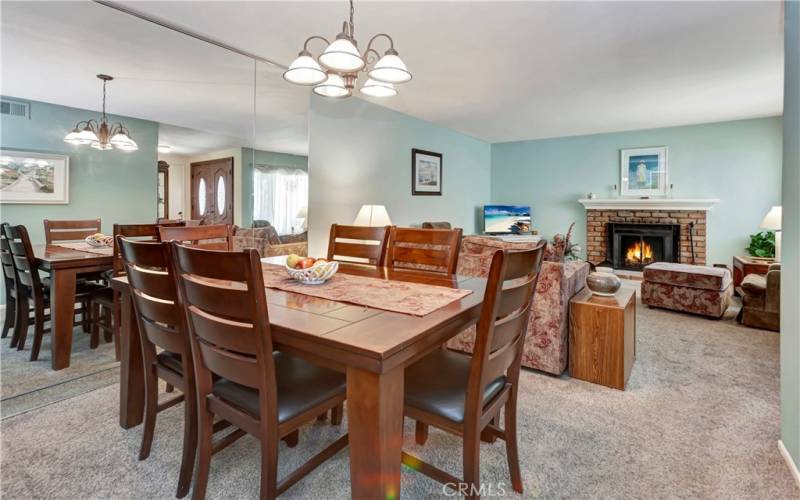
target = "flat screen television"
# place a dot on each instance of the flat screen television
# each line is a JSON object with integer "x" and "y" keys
{"x": 506, "y": 219}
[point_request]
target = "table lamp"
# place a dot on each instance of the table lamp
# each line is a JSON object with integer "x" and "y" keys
{"x": 372, "y": 216}
{"x": 772, "y": 221}
{"x": 303, "y": 215}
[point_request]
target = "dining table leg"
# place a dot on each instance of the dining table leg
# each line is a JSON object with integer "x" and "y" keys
{"x": 62, "y": 313}
{"x": 375, "y": 425}
{"x": 131, "y": 387}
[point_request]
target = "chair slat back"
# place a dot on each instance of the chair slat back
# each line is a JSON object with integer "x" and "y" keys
{"x": 426, "y": 249}
{"x": 358, "y": 244}
{"x": 139, "y": 232}
{"x": 70, "y": 230}
{"x": 212, "y": 237}
{"x": 19, "y": 244}
{"x": 161, "y": 321}
{"x": 6, "y": 257}
{"x": 503, "y": 323}
{"x": 223, "y": 296}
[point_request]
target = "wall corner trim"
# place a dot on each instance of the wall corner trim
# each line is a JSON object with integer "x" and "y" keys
{"x": 789, "y": 462}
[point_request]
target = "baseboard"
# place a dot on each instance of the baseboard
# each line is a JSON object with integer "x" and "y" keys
{"x": 789, "y": 462}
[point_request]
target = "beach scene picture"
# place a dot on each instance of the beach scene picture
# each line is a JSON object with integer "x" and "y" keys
{"x": 514, "y": 219}
{"x": 644, "y": 172}
{"x": 426, "y": 172}
{"x": 33, "y": 177}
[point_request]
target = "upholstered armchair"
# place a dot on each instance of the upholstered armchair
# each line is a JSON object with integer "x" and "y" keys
{"x": 761, "y": 300}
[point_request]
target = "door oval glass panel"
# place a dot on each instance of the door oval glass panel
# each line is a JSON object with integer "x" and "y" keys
{"x": 220, "y": 195}
{"x": 201, "y": 196}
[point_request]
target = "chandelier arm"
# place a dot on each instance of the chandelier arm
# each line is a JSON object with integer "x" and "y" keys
{"x": 371, "y": 40}
{"x": 315, "y": 37}
{"x": 92, "y": 124}
{"x": 366, "y": 55}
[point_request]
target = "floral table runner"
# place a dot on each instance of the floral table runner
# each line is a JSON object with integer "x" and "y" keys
{"x": 415, "y": 299}
{"x": 85, "y": 247}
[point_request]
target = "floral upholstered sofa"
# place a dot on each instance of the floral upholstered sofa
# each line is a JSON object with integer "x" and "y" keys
{"x": 265, "y": 239}
{"x": 548, "y": 327}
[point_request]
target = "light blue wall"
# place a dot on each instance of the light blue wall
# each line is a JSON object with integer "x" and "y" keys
{"x": 259, "y": 157}
{"x": 113, "y": 185}
{"x": 360, "y": 154}
{"x": 738, "y": 162}
{"x": 790, "y": 268}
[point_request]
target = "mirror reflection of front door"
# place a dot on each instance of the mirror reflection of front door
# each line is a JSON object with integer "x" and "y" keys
{"x": 212, "y": 191}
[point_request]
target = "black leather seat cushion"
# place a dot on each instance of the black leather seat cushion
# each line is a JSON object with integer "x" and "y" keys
{"x": 170, "y": 360}
{"x": 301, "y": 386}
{"x": 438, "y": 384}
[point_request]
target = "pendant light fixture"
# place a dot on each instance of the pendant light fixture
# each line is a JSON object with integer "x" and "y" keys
{"x": 335, "y": 72}
{"x": 100, "y": 135}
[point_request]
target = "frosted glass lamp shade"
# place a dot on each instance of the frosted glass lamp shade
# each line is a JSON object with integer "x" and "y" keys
{"x": 101, "y": 147}
{"x": 390, "y": 69}
{"x": 372, "y": 216}
{"x": 73, "y": 137}
{"x": 374, "y": 88}
{"x": 332, "y": 87}
{"x": 772, "y": 220}
{"x": 342, "y": 55}
{"x": 120, "y": 139}
{"x": 304, "y": 71}
{"x": 86, "y": 136}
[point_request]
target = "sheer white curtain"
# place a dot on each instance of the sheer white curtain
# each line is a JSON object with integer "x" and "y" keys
{"x": 279, "y": 193}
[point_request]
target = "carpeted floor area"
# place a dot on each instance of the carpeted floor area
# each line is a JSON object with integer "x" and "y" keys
{"x": 700, "y": 419}
{"x": 25, "y": 384}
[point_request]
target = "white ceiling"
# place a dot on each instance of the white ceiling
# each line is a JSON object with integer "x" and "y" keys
{"x": 497, "y": 71}
{"x": 51, "y": 51}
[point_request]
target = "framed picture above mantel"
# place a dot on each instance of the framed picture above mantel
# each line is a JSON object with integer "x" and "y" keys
{"x": 426, "y": 173}
{"x": 33, "y": 178}
{"x": 643, "y": 172}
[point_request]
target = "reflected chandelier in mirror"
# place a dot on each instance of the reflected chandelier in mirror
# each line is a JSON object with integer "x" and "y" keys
{"x": 100, "y": 135}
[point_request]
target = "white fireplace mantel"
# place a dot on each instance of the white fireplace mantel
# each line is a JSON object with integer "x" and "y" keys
{"x": 652, "y": 203}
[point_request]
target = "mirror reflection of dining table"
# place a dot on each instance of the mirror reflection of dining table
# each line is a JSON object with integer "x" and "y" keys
{"x": 370, "y": 344}
{"x": 65, "y": 265}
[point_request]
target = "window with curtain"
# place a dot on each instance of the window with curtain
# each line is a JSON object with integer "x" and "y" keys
{"x": 279, "y": 194}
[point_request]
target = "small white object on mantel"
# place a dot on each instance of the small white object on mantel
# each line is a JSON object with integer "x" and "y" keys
{"x": 650, "y": 203}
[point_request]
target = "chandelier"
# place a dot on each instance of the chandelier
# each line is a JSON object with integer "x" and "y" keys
{"x": 100, "y": 135}
{"x": 343, "y": 62}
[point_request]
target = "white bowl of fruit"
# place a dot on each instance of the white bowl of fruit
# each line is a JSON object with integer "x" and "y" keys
{"x": 99, "y": 240}
{"x": 310, "y": 271}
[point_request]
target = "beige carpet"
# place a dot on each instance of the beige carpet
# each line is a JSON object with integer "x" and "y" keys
{"x": 700, "y": 419}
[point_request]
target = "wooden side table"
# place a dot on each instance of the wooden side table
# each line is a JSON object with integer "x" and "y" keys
{"x": 744, "y": 265}
{"x": 602, "y": 337}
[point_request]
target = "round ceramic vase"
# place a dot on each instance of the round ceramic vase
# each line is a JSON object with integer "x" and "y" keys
{"x": 603, "y": 284}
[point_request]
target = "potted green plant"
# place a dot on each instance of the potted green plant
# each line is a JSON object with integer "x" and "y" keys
{"x": 762, "y": 245}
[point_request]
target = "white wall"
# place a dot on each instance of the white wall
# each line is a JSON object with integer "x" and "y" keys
{"x": 360, "y": 153}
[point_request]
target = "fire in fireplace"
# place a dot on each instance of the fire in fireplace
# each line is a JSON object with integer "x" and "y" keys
{"x": 633, "y": 246}
{"x": 639, "y": 254}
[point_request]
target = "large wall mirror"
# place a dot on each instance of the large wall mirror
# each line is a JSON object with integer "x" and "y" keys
{"x": 219, "y": 139}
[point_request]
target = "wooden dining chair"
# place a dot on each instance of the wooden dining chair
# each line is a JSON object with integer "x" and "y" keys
{"x": 9, "y": 282}
{"x": 31, "y": 290}
{"x": 464, "y": 394}
{"x": 162, "y": 326}
{"x": 239, "y": 376}
{"x": 69, "y": 230}
{"x": 358, "y": 244}
{"x": 427, "y": 249}
{"x": 213, "y": 237}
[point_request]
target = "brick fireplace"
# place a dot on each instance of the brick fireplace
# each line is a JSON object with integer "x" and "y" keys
{"x": 682, "y": 213}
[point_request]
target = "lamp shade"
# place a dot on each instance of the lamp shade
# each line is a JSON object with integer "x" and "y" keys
{"x": 302, "y": 213}
{"x": 342, "y": 55}
{"x": 304, "y": 71}
{"x": 772, "y": 220}
{"x": 332, "y": 87}
{"x": 390, "y": 69}
{"x": 372, "y": 216}
{"x": 374, "y": 88}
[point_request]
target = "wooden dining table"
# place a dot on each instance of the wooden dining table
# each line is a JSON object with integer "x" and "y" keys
{"x": 371, "y": 346}
{"x": 64, "y": 266}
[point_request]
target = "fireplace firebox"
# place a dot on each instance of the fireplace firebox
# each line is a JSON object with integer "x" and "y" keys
{"x": 633, "y": 246}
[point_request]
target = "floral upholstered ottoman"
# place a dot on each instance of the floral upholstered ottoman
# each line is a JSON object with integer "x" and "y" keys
{"x": 684, "y": 287}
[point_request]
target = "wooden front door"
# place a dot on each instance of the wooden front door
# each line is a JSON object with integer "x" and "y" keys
{"x": 212, "y": 191}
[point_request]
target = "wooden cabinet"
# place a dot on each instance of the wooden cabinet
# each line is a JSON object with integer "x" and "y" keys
{"x": 602, "y": 337}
